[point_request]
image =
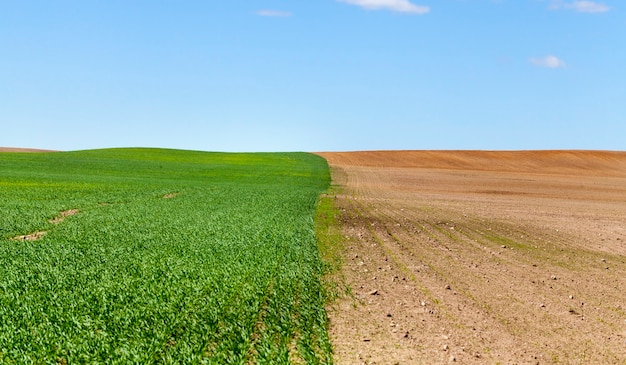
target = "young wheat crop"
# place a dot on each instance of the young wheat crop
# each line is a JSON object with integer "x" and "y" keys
{"x": 168, "y": 257}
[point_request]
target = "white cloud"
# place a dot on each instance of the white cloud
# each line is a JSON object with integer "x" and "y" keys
{"x": 581, "y": 6}
{"x": 402, "y": 6}
{"x": 548, "y": 61}
{"x": 274, "y": 13}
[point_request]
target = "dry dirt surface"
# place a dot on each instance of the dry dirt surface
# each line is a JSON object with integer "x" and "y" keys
{"x": 12, "y": 149}
{"x": 479, "y": 257}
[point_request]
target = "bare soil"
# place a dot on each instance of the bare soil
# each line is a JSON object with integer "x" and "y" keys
{"x": 64, "y": 214}
{"x": 12, "y": 149}
{"x": 35, "y": 236}
{"x": 480, "y": 257}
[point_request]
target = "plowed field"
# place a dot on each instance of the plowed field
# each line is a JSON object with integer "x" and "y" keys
{"x": 481, "y": 257}
{"x": 11, "y": 149}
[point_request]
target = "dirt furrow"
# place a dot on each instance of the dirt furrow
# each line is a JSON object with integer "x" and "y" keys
{"x": 485, "y": 265}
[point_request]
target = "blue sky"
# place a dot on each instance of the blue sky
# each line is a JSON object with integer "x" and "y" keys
{"x": 323, "y": 75}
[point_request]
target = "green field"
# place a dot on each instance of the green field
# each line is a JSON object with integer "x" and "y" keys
{"x": 170, "y": 257}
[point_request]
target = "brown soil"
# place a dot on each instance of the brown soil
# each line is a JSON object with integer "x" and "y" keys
{"x": 63, "y": 215}
{"x": 31, "y": 236}
{"x": 40, "y": 234}
{"x": 482, "y": 257}
{"x": 12, "y": 149}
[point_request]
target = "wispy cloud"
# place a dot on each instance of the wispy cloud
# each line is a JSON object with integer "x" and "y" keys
{"x": 548, "y": 62}
{"x": 402, "y": 6}
{"x": 274, "y": 13}
{"x": 581, "y": 6}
